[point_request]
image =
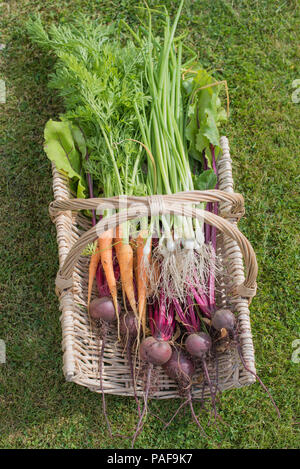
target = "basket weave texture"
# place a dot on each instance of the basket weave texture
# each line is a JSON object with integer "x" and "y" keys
{"x": 81, "y": 345}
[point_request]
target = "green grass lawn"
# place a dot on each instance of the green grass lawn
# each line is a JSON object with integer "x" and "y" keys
{"x": 254, "y": 45}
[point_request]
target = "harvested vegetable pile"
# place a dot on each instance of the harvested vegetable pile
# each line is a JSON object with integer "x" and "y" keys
{"x": 141, "y": 118}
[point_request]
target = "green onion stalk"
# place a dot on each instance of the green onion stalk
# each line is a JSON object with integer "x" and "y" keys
{"x": 181, "y": 248}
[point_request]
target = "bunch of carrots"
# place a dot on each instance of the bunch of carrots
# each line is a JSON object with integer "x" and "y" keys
{"x": 132, "y": 271}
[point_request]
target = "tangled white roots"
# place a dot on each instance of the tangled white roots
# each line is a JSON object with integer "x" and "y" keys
{"x": 181, "y": 269}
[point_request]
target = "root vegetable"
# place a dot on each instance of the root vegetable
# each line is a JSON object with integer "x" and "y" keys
{"x": 142, "y": 280}
{"x": 105, "y": 248}
{"x": 95, "y": 259}
{"x": 225, "y": 319}
{"x": 181, "y": 369}
{"x": 152, "y": 352}
{"x": 103, "y": 309}
{"x": 102, "y": 312}
{"x": 125, "y": 258}
{"x": 155, "y": 352}
{"x": 129, "y": 334}
{"x": 199, "y": 345}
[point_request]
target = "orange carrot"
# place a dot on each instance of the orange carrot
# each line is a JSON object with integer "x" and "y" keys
{"x": 105, "y": 248}
{"x": 142, "y": 279}
{"x": 125, "y": 258}
{"x": 95, "y": 259}
{"x": 133, "y": 245}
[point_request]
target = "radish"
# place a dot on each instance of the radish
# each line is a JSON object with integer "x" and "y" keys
{"x": 225, "y": 319}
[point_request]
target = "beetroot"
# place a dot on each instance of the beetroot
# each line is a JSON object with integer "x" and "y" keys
{"x": 198, "y": 345}
{"x": 102, "y": 309}
{"x": 102, "y": 312}
{"x": 180, "y": 368}
{"x": 129, "y": 327}
{"x": 129, "y": 334}
{"x": 154, "y": 351}
{"x": 224, "y": 319}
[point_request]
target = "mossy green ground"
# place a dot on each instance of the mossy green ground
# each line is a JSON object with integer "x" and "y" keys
{"x": 255, "y": 47}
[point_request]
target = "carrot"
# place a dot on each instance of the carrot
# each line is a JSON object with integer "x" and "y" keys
{"x": 142, "y": 279}
{"x": 105, "y": 248}
{"x": 95, "y": 259}
{"x": 125, "y": 258}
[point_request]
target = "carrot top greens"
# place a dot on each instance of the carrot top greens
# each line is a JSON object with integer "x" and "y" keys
{"x": 119, "y": 86}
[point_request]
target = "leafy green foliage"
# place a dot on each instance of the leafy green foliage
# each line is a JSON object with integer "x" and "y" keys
{"x": 205, "y": 180}
{"x": 61, "y": 140}
{"x": 100, "y": 83}
{"x": 204, "y": 114}
{"x": 105, "y": 85}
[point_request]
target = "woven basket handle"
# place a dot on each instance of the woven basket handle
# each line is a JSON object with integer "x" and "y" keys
{"x": 235, "y": 202}
{"x": 152, "y": 206}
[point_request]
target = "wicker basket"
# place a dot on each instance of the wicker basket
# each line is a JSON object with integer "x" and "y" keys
{"x": 80, "y": 345}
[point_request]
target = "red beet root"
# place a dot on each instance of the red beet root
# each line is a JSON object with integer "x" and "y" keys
{"x": 224, "y": 319}
{"x": 156, "y": 352}
{"x": 198, "y": 344}
{"x": 103, "y": 308}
